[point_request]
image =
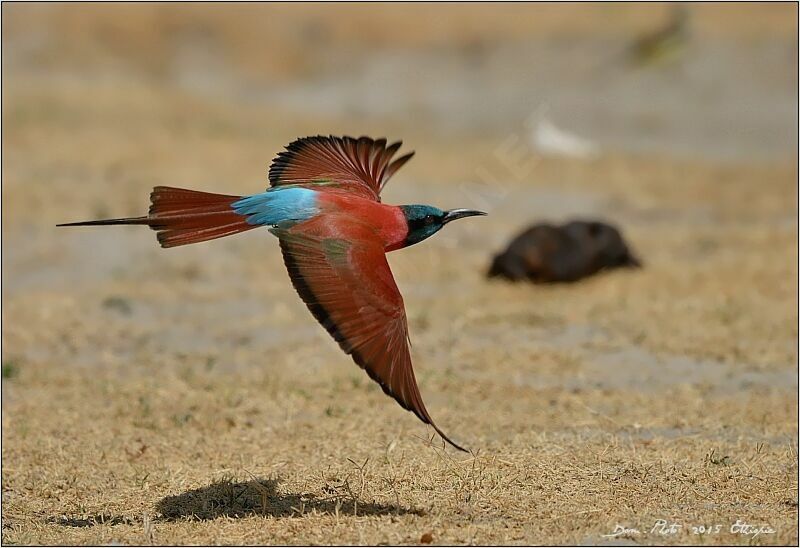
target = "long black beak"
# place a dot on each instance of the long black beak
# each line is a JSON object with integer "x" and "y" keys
{"x": 454, "y": 214}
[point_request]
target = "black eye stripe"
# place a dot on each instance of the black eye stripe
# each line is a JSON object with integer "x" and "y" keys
{"x": 427, "y": 220}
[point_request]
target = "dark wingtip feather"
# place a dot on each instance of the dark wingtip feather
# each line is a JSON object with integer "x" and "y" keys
{"x": 285, "y": 157}
{"x": 365, "y": 158}
{"x": 448, "y": 440}
{"x": 392, "y": 168}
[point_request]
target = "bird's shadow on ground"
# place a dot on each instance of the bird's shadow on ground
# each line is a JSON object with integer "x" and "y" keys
{"x": 226, "y": 498}
{"x": 231, "y": 499}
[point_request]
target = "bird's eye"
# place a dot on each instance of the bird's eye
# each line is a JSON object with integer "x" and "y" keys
{"x": 429, "y": 219}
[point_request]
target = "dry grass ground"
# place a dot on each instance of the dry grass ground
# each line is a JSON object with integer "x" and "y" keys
{"x": 187, "y": 396}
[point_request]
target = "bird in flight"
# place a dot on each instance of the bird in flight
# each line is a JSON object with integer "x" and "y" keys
{"x": 324, "y": 205}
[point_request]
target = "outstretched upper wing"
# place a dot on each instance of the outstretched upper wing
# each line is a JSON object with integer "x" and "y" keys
{"x": 338, "y": 266}
{"x": 361, "y": 166}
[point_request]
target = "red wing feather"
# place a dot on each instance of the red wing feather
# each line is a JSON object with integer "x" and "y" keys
{"x": 361, "y": 166}
{"x": 349, "y": 288}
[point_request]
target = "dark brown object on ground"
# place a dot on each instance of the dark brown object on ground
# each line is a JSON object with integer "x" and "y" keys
{"x": 549, "y": 253}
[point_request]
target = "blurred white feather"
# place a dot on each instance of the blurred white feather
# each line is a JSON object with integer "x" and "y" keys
{"x": 548, "y": 139}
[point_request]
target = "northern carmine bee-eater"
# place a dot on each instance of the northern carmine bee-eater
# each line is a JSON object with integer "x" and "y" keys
{"x": 324, "y": 205}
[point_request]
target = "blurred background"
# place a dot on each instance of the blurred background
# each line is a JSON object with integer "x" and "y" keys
{"x": 718, "y": 84}
{"x": 676, "y": 123}
{"x": 129, "y": 96}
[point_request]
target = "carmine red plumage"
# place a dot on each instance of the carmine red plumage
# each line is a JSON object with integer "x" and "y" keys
{"x": 324, "y": 205}
{"x": 187, "y": 216}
